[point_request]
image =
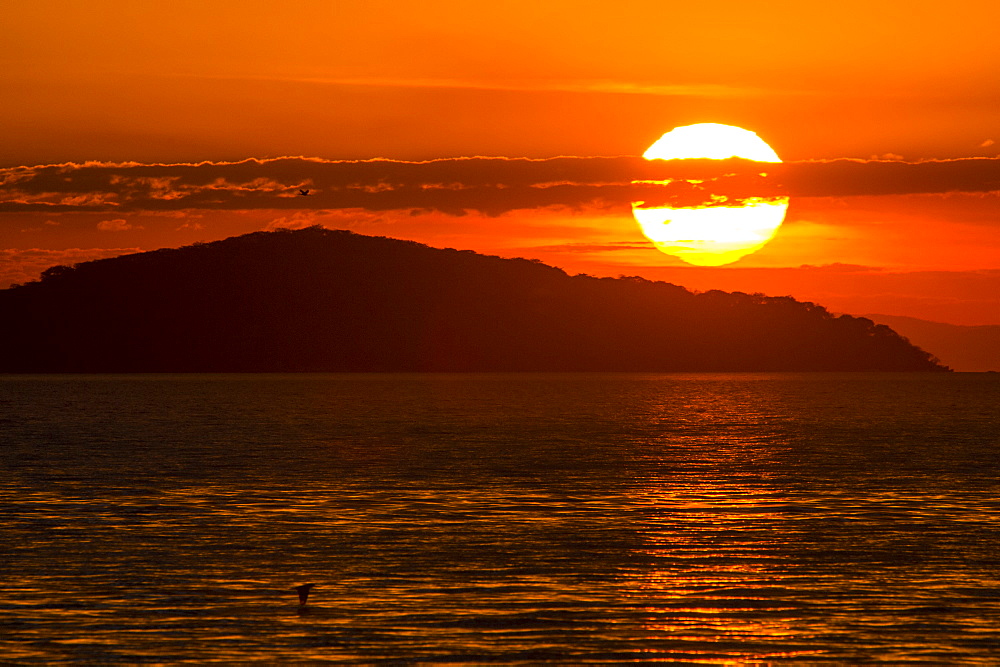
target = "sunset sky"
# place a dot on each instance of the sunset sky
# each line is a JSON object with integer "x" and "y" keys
{"x": 137, "y": 125}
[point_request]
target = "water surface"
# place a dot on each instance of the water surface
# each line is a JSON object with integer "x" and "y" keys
{"x": 510, "y": 518}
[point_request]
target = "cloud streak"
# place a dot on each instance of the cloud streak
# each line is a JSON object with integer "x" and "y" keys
{"x": 533, "y": 85}
{"x": 488, "y": 185}
{"x": 20, "y": 266}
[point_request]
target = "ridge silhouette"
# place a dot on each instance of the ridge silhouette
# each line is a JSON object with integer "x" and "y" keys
{"x": 332, "y": 300}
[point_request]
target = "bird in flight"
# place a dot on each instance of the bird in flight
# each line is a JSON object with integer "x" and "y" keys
{"x": 303, "y": 592}
{"x": 303, "y": 193}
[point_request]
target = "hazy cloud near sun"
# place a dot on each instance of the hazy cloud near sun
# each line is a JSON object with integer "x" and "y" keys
{"x": 457, "y": 185}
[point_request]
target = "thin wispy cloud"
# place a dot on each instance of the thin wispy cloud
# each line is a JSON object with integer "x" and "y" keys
{"x": 117, "y": 225}
{"x": 540, "y": 85}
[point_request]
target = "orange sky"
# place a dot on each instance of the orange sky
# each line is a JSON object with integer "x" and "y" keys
{"x": 193, "y": 82}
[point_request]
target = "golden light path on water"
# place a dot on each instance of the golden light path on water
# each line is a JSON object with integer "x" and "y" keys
{"x": 713, "y": 234}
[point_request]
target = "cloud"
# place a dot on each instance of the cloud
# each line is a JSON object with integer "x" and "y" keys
{"x": 117, "y": 225}
{"x": 533, "y": 85}
{"x": 489, "y": 185}
{"x": 889, "y": 177}
{"x": 21, "y": 266}
{"x": 297, "y": 220}
{"x": 591, "y": 247}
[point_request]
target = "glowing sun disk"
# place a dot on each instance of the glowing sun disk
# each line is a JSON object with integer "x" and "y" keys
{"x": 710, "y": 140}
{"x": 711, "y": 235}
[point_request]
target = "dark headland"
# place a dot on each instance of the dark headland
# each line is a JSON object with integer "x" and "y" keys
{"x": 323, "y": 300}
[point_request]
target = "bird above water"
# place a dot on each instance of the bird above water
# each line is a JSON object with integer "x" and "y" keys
{"x": 303, "y": 592}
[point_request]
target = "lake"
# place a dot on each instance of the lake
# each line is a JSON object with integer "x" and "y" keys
{"x": 501, "y": 518}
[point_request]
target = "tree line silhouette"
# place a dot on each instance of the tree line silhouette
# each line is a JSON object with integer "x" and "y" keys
{"x": 331, "y": 300}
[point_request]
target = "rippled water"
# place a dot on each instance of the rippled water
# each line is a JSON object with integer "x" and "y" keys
{"x": 480, "y": 518}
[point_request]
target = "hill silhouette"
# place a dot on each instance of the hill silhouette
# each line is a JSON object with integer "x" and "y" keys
{"x": 962, "y": 347}
{"x": 324, "y": 300}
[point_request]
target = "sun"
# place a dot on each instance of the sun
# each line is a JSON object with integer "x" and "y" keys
{"x": 711, "y": 235}
{"x": 710, "y": 140}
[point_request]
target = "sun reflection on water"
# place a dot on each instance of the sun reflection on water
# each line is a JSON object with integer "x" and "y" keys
{"x": 712, "y": 572}
{"x": 711, "y": 546}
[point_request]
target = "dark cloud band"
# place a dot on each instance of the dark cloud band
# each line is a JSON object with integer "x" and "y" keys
{"x": 458, "y": 185}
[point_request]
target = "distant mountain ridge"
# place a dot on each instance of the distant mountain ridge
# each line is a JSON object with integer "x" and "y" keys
{"x": 331, "y": 300}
